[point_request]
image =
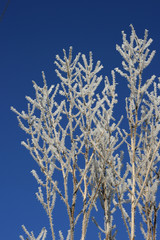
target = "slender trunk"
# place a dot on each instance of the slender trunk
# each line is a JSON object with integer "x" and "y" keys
{"x": 72, "y": 230}
{"x": 133, "y": 142}
{"x": 72, "y": 209}
{"x": 107, "y": 217}
{"x": 108, "y": 232}
{"x": 133, "y": 204}
{"x": 69, "y": 210}
{"x": 155, "y": 223}
{"x": 49, "y": 209}
{"x": 84, "y": 223}
{"x": 84, "y": 226}
{"x": 73, "y": 204}
{"x": 149, "y": 234}
{"x": 133, "y": 148}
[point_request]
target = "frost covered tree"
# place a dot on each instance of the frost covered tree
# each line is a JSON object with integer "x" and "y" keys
{"x": 78, "y": 145}
{"x": 143, "y": 114}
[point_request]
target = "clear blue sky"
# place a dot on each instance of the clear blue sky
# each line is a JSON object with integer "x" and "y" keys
{"x": 32, "y": 32}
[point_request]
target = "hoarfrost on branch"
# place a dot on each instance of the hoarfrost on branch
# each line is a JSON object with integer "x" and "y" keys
{"x": 72, "y": 131}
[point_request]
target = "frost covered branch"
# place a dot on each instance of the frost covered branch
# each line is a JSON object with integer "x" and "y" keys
{"x": 80, "y": 147}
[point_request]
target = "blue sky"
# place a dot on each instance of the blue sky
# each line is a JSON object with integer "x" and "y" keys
{"x": 32, "y": 32}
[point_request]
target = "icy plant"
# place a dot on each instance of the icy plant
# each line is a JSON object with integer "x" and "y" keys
{"x": 41, "y": 236}
{"x": 143, "y": 114}
{"x": 78, "y": 145}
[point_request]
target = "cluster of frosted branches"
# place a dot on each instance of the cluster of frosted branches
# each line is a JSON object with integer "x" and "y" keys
{"x": 76, "y": 142}
{"x": 41, "y": 236}
{"x": 65, "y": 137}
{"x": 143, "y": 113}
